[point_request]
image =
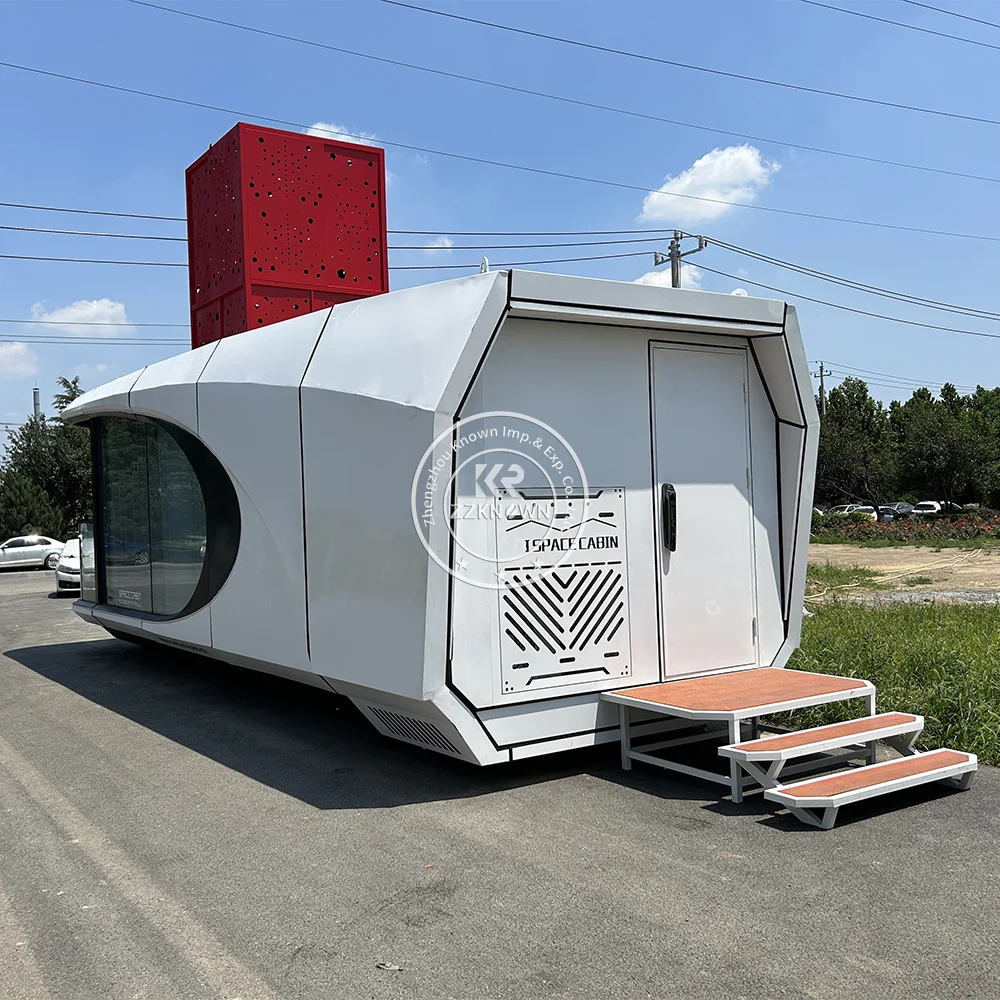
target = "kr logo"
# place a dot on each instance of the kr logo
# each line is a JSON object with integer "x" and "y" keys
{"x": 487, "y": 482}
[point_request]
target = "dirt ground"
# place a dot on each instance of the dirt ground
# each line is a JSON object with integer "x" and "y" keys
{"x": 947, "y": 569}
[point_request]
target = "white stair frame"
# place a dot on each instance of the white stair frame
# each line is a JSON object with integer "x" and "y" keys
{"x": 821, "y": 810}
{"x": 736, "y": 781}
{"x": 862, "y": 745}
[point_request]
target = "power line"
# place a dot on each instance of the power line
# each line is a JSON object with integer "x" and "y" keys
{"x": 73, "y": 322}
{"x": 472, "y": 265}
{"x": 859, "y": 285}
{"x": 901, "y": 24}
{"x": 850, "y": 309}
{"x": 89, "y": 211}
{"x": 690, "y": 66}
{"x": 953, "y": 13}
{"x": 914, "y": 381}
{"x": 91, "y": 341}
{"x": 651, "y": 237}
{"x": 82, "y": 232}
{"x": 558, "y": 97}
{"x": 540, "y": 171}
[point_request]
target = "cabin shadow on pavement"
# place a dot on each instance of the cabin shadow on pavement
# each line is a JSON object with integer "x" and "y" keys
{"x": 302, "y": 741}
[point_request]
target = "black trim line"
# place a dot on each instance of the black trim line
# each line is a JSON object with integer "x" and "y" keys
{"x": 763, "y": 381}
{"x": 302, "y": 480}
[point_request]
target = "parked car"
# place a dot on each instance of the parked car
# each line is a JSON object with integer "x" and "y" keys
{"x": 68, "y": 567}
{"x": 899, "y": 509}
{"x": 926, "y": 507}
{"x": 854, "y": 508}
{"x": 30, "y": 550}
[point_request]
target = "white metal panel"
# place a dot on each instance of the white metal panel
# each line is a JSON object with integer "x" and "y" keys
{"x": 768, "y": 556}
{"x": 167, "y": 389}
{"x": 775, "y": 365}
{"x": 269, "y": 355}
{"x": 571, "y": 291}
{"x": 367, "y": 569}
{"x": 112, "y": 397}
{"x": 701, "y": 448}
{"x": 407, "y": 346}
{"x": 248, "y": 400}
{"x": 565, "y": 375}
{"x": 192, "y": 632}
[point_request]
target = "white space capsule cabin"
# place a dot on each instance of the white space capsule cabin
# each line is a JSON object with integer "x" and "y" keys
{"x": 469, "y": 507}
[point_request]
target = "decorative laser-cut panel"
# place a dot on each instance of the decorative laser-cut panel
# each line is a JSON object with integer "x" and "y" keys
{"x": 302, "y": 215}
{"x": 564, "y": 610}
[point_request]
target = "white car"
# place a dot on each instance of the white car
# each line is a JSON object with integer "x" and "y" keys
{"x": 854, "y": 508}
{"x": 933, "y": 507}
{"x": 68, "y": 567}
{"x": 30, "y": 550}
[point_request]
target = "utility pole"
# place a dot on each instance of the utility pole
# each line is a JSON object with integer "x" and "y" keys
{"x": 674, "y": 255}
{"x": 821, "y": 375}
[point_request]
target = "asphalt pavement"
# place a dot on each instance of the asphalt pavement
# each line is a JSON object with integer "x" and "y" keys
{"x": 175, "y": 828}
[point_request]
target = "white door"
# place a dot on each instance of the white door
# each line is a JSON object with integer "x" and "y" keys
{"x": 704, "y": 508}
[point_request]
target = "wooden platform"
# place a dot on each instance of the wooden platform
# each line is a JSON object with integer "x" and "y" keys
{"x": 729, "y": 698}
{"x": 742, "y": 693}
{"x": 711, "y": 706}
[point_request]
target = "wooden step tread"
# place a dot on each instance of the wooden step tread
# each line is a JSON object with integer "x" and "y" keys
{"x": 760, "y": 690}
{"x": 864, "y": 782}
{"x": 805, "y": 741}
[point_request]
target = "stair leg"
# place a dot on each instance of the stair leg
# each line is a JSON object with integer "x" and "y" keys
{"x": 626, "y": 737}
{"x": 735, "y": 771}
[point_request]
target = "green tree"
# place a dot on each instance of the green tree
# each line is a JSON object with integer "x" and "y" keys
{"x": 857, "y": 455}
{"x": 946, "y": 447}
{"x": 46, "y": 470}
{"x": 25, "y": 508}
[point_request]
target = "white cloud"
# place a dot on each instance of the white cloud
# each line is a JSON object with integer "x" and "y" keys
{"x": 734, "y": 174}
{"x": 17, "y": 360}
{"x": 690, "y": 277}
{"x": 328, "y": 130}
{"x": 439, "y": 244}
{"x": 79, "y": 316}
{"x": 94, "y": 375}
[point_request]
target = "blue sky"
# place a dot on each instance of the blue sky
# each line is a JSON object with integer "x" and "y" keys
{"x": 66, "y": 144}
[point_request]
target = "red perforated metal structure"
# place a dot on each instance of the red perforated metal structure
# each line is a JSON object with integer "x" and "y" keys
{"x": 281, "y": 223}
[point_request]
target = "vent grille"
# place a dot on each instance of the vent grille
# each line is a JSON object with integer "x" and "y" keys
{"x": 413, "y": 730}
{"x": 564, "y": 622}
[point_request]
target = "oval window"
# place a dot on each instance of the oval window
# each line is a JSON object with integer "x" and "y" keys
{"x": 167, "y": 526}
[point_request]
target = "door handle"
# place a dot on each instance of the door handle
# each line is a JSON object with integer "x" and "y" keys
{"x": 668, "y": 511}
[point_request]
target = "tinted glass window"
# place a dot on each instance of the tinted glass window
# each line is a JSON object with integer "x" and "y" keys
{"x": 126, "y": 514}
{"x": 176, "y": 523}
{"x": 16, "y": 543}
{"x": 169, "y": 527}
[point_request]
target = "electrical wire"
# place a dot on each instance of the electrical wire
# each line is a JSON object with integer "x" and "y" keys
{"x": 899, "y": 378}
{"x": 859, "y": 285}
{"x": 90, "y": 211}
{"x": 901, "y": 24}
{"x": 850, "y": 309}
{"x": 558, "y": 97}
{"x": 953, "y": 13}
{"x": 88, "y": 322}
{"x": 540, "y": 171}
{"x": 690, "y": 66}
{"x": 91, "y": 341}
{"x": 81, "y": 232}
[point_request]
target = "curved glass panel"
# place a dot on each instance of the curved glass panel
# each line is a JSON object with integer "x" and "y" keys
{"x": 160, "y": 548}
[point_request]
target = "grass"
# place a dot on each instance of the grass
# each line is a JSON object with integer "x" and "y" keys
{"x": 939, "y": 661}
{"x": 821, "y": 577}
{"x": 916, "y": 581}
